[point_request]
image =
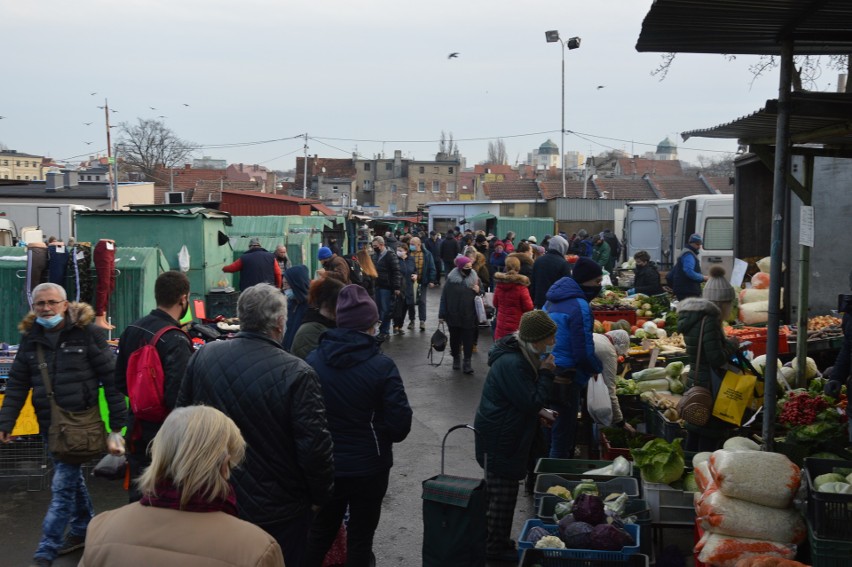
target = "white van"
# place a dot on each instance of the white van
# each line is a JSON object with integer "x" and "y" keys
{"x": 663, "y": 227}
{"x": 711, "y": 216}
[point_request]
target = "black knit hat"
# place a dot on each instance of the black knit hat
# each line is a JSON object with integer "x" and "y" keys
{"x": 585, "y": 270}
{"x": 536, "y": 326}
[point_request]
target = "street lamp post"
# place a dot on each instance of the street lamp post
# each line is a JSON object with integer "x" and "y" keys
{"x": 552, "y": 36}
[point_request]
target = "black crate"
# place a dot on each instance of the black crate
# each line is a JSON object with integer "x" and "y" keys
{"x": 550, "y": 558}
{"x": 829, "y": 515}
{"x": 224, "y": 304}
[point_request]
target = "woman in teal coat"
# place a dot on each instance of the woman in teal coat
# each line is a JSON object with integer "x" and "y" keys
{"x": 510, "y": 409}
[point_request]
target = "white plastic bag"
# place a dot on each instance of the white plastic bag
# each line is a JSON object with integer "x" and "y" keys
{"x": 598, "y": 402}
{"x": 183, "y": 259}
{"x": 734, "y": 517}
{"x": 769, "y": 479}
{"x": 480, "y": 309}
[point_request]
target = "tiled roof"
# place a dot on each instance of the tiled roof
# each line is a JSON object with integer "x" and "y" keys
{"x": 466, "y": 179}
{"x": 482, "y": 168}
{"x": 573, "y": 189}
{"x": 621, "y": 188}
{"x": 641, "y": 166}
{"x": 511, "y": 190}
{"x": 680, "y": 187}
{"x": 721, "y": 184}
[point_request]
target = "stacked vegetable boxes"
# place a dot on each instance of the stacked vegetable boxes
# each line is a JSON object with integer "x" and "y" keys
{"x": 829, "y": 515}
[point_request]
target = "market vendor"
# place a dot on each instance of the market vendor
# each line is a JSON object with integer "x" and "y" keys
{"x": 647, "y": 276}
{"x": 839, "y": 375}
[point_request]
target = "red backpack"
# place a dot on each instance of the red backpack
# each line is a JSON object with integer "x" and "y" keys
{"x": 145, "y": 378}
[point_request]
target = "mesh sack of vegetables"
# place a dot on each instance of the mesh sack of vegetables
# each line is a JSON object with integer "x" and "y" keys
{"x": 696, "y": 406}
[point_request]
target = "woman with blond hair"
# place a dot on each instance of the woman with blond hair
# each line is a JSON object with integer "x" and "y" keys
{"x": 368, "y": 270}
{"x": 188, "y": 512}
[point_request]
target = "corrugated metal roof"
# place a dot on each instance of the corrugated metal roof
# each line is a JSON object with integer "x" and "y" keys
{"x": 817, "y": 27}
{"x": 149, "y": 210}
{"x": 824, "y": 118}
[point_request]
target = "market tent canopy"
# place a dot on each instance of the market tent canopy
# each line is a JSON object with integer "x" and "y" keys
{"x": 757, "y": 27}
{"x": 478, "y": 217}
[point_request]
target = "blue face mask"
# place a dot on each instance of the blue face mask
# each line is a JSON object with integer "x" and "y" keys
{"x": 288, "y": 293}
{"x": 50, "y": 322}
{"x": 548, "y": 349}
{"x": 412, "y": 247}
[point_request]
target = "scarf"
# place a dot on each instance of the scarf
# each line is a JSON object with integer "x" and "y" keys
{"x": 168, "y": 496}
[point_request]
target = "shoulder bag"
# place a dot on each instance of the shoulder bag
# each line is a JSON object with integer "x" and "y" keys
{"x": 696, "y": 405}
{"x": 74, "y": 437}
{"x": 438, "y": 343}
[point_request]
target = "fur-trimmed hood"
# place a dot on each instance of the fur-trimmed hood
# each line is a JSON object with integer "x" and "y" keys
{"x": 511, "y": 278}
{"x": 78, "y": 314}
{"x": 522, "y": 258}
{"x": 479, "y": 261}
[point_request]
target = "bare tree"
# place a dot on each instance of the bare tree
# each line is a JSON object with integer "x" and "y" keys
{"x": 442, "y": 147}
{"x": 497, "y": 152}
{"x": 721, "y": 166}
{"x": 149, "y": 144}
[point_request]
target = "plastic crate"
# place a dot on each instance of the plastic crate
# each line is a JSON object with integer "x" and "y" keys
{"x": 615, "y": 485}
{"x": 26, "y": 457}
{"x": 830, "y": 515}
{"x": 669, "y": 505}
{"x": 631, "y": 406}
{"x": 610, "y": 452}
{"x": 620, "y": 557}
{"x": 628, "y": 315}
{"x": 758, "y": 343}
{"x": 546, "y": 558}
{"x": 658, "y": 425}
{"x": 827, "y": 552}
{"x": 224, "y": 304}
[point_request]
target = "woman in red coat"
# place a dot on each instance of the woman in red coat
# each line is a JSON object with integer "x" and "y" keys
{"x": 511, "y": 298}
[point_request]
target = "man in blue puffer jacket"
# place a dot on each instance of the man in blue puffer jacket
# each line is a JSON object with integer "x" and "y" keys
{"x": 367, "y": 411}
{"x": 574, "y": 352}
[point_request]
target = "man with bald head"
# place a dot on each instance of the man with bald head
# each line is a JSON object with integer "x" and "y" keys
{"x": 424, "y": 277}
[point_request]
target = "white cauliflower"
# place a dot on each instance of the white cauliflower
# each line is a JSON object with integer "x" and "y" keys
{"x": 550, "y": 542}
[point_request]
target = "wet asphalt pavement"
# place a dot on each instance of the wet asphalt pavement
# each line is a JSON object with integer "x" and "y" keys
{"x": 440, "y": 398}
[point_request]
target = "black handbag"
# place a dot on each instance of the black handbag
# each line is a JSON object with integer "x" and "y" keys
{"x": 438, "y": 343}
{"x": 73, "y": 437}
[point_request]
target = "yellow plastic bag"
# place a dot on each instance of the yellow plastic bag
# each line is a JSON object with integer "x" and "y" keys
{"x": 734, "y": 397}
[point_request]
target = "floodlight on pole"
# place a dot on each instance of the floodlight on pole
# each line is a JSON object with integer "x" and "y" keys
{"x": 552, "y": 36}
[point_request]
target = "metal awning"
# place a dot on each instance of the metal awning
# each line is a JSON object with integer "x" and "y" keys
{"x": 824, "y": 118}
{"x": 478, "y": 217}
{"x": 756, "y": 27}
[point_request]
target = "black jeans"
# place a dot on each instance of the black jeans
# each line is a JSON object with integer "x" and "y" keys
{"x": 363, "y": 496}
{"x": 461, "y": 338}
{"x": 291, "y": 536}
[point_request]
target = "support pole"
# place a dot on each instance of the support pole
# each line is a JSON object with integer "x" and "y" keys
{"x": 305, "y": 176}
{"x": 804, "y": 282}
{"x": 779, "y": 189}
{"x": 562, "y": 147}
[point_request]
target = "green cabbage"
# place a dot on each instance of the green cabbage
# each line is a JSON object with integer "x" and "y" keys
{"x": 689, "y": 483}
{"x": 835, "y": 488}
{"x": 674, "y": 369}
{"x": 660, "y": 462}
{"x": 826, "y": 478}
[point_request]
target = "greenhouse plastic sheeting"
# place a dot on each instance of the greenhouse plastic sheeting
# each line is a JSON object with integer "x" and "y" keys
{"x": 13, "y": 297}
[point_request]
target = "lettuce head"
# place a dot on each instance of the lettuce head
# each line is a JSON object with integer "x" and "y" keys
{"x": 659, "y": 461}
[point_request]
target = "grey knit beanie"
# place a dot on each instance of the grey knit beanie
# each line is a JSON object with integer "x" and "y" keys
{"x": 717, "y": 287}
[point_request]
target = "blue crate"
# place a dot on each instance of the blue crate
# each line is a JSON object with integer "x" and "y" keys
{"x": 579, "y": 554}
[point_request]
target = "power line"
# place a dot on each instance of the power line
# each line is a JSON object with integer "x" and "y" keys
{"x": 581, "y": 134}
{"x": 434, "y": 141}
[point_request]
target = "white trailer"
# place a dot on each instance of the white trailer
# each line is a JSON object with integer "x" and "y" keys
{"x": 54, "y": 219}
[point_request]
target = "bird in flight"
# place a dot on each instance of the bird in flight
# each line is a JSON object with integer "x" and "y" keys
{"x": 601, "y": 86}
{"x": 101, "y": 107}
{"x": 185, "y": 104}
{"x": 113, "y": 110}
{"x": 161, "y": 116}
{"x": 87, "y": 123}
{"x": 88, "y": 143}
{"x": 93, "y": 94}
{"x": 2, "y": 117}
{"x": 453, "y": 55}
{"x": 152, "y": 108}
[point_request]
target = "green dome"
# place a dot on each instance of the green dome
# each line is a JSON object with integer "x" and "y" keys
{"x": 666, "y": 147}
{"x": 548, "y": 148}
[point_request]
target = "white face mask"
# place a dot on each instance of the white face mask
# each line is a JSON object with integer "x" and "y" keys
{"x": 400, "y": 253}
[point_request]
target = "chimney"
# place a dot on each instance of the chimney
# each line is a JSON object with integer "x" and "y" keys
{"x": 51, "y": 182}
{"x": 241, "y": 168}
{"x": 70, "y": 179}
{"x": 187, "y": 166}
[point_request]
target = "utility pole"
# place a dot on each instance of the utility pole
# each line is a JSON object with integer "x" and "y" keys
{"x": 113, "y": 193}
{"x": 305, "y": 176}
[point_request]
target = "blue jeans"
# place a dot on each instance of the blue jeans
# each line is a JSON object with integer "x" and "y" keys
{"x": 563, "y": 434}
{"x": 384, "y": 303}
{"x": 69, "y": 503}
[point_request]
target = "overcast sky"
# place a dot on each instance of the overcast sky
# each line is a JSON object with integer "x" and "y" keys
{"x": 354, "y": 74}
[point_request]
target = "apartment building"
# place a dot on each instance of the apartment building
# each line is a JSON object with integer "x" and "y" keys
{"x": 20, "y": 166}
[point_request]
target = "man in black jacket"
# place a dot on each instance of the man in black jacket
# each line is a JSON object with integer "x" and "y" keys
{"x": 78, "y": 360}
{"x": 388, "y": 283}
{"x": 256, "y": 265}
{"x": 171, "y": 291}
{"x": 548, "y": 269}
{"x": 276, "y": 400}
{"x": 450, "y": 248}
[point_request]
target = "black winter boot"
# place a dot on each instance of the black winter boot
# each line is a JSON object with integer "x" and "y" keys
{"x": 456, "y": 363}
{"x": 466, "y": 367}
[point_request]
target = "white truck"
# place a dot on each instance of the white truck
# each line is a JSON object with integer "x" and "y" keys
{"x": 53, "y": 219}
{"x": 663, "y": 227}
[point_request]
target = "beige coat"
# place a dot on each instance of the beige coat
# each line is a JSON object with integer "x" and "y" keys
{"x": 142, "y": 536}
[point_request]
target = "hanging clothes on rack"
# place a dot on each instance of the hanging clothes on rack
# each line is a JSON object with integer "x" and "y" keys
{"x": 79, "y": 265}
{"x": 57, "y": 262}
{"x": 36, "y": 266}
{"x": 104, "y": 256}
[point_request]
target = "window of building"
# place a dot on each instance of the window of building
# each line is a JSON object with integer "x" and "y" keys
{"x": 367, "y": 166}
{"x": 451, "y": 186}
{"x": 436, "y": 187}
{"x": 388, "y": 166}
{"x": 88, "y": 178}
{"x": 393, "y": 187}
{"x": 422, "y": 169}
{"x": 26, "y": 164}
{"x": 18, "y": 163}
{"x": 5, "y": 162}
{"x": 18, "y": 177}
{"x": 334, "y": 189}
{"x": 367, "y": 185}
{"x": 26, "y": 177}
{"x": 435, "y": 169}
{"x": 421, "y": 186}
{"x": 450, "y": 170}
